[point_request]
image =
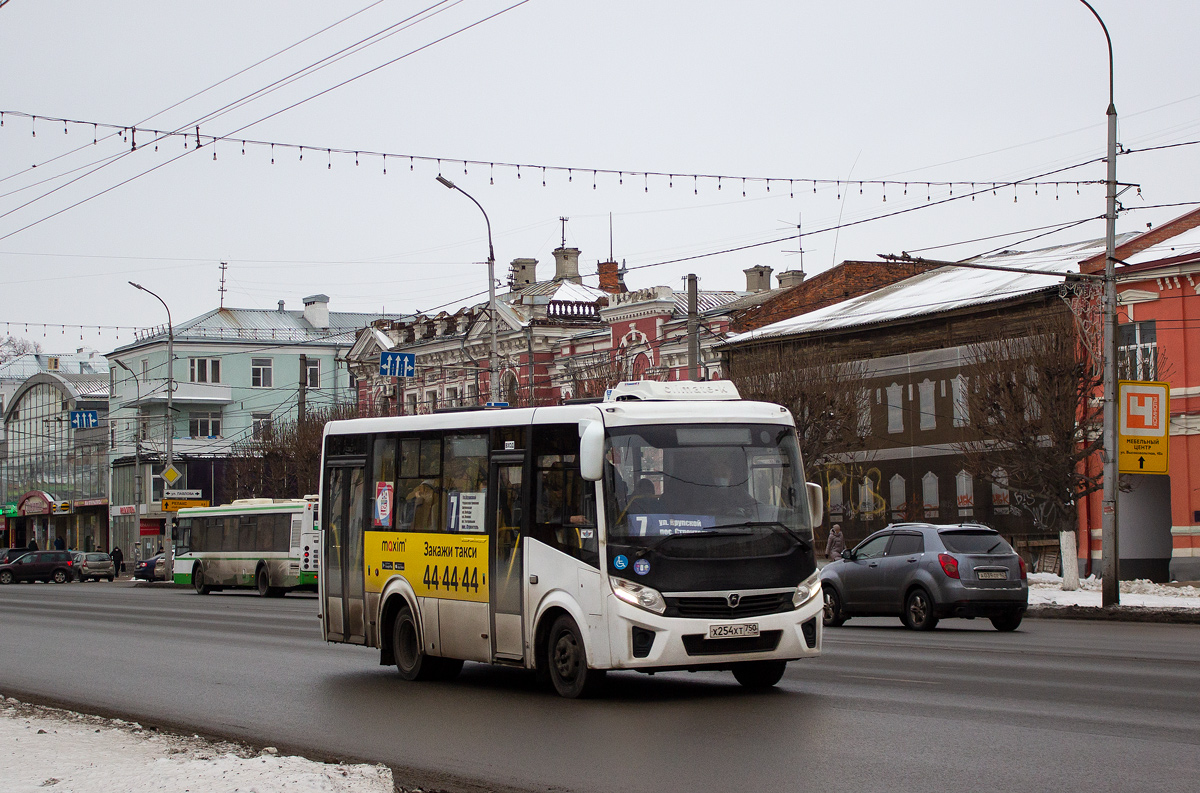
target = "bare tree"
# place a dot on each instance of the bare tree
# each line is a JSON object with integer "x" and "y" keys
{"x": 1033, "y": 421}
{"x": 284, "y": 461}
{"x": 12, "y": 347}
{"x": 590, "y": 376}
{"x": 826, "y": 394}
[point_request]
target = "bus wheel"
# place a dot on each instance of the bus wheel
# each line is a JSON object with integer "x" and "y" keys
{"x": 263, "y": 579}
{"x": 411, "y": 661}
{"x": 198, "y": 582}
{"x": 758, "y": 675}
{"x": 447, "y": 668}
{"x": 567, "y": 658}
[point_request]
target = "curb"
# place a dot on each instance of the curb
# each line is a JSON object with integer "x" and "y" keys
{"x": 1115, "y": 614}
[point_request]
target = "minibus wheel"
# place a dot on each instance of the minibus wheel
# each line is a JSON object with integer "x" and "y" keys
{"x": 411, "y": 661}
{"x": 567, "y": 658}
{"x": 758, "y": 675}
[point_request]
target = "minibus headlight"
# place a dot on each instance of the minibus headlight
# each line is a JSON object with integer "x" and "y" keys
{"x": 637, "y": 595}
{"x": 808, "y": 589}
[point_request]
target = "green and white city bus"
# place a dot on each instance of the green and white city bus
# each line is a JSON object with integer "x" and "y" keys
{"x": 667, "y": 527}
{"x": 270, "y": 544}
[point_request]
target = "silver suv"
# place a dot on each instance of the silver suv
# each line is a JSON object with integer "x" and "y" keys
{"x": 923, "y": 573}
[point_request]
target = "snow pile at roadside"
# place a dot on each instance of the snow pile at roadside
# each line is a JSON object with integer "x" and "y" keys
{"x": 45, "y": 749}
{"x": 1045, "y": 589}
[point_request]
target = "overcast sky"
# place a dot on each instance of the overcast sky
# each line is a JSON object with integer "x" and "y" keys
{"x": 906, "y": 90}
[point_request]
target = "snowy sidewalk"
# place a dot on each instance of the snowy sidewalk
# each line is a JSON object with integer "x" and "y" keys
{"x": 1046, "y": 589}
{"x": 44, "y": 749}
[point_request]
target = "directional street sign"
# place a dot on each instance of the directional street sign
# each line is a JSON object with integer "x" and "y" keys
{"x": 84, "y": 419}
{"x": 397, "y": 364}
{"x": 1143, "y": 434}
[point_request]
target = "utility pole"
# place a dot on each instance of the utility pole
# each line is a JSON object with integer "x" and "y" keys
{"x": 300, "y": 395}
{"x": 693, "y": 328}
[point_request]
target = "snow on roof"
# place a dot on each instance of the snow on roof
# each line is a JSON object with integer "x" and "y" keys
{"x": 943, "y": 289}
{"x": 1186, "y": 243}
{"x": 578, "y": 293}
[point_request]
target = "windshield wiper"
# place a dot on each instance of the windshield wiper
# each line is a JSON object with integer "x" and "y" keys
{"x": 716, "y": 531}
{"x": 758, "y": 524}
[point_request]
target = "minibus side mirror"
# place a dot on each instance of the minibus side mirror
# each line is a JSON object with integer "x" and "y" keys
{"x": 816, "y": 503}
{"x": 591, "y": 450}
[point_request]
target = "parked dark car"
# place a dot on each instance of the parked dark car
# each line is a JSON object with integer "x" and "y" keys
{"x": 94, "y": 565}
{"x": 12, "y": 554}
{"x": 152, "y": 569}
{"x": 56, "y": 566}
{"x": 923, "y": 573}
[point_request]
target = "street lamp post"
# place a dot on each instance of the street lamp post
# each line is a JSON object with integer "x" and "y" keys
{"x": 167, "y": 527}
{"x": 1109, "y": 537}
{"x": 494, "y": 362}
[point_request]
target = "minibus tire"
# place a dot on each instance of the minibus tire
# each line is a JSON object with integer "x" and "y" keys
{"x": 567, "y": 661}
{"x": 411, "y": 661}
{"x": 759, "y": 675}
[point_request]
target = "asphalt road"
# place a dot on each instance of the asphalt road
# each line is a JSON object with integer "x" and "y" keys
{"x": 1091, "y": 706}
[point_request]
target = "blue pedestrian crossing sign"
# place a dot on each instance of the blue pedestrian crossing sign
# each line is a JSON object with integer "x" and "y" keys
{"x": 397, "y": 364}
{"x": 84, "y": 419}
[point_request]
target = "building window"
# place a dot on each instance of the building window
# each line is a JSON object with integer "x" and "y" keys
{"x": 451, "y": 397}
{"x": 958, "y": 390}
{"x": 1137, "y": 351}
{"x": 929, "y": 494}
{"x": 204, "y": 425}
{"x": 261, "y": 425}
{"x": 260, "y": 373}
{"x": 895, "y": 409}
{"x": 431, "y": 401}
{"x": 867, "y": 503}
{"x": 145, "y": 368}
{"x": 835, "y": 499}
{"x": 52, "y": 363}
{"x": 1000, "y": 494}
{"x": 864, "y": 413}
{"x": 928, "y": 416}
{"x": 204, "y": 370}
{"x": 966, "y": 494}
{"x": 410, "y": 403}
{"x": 896, "y": 485}
{"x": 312, "y": 377}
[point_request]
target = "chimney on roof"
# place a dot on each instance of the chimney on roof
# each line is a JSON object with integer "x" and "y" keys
{"x": 790, "y": 278}
{"x": 610, "y": 278}
{"x": 566, "y": 265}
{"x": 281, "y": 306}
{"x": 524, "y": 273}
{"x": 316, "y": 311}
{"x": 758, "y": 278}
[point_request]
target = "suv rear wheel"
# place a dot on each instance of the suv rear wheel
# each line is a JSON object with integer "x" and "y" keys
{"x": 918, "y": 611}
{"x": 1007, "y": 622}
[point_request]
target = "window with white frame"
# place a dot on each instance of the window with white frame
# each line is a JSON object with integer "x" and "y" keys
{"x": 204, "y": 425}
{"x": 410, "y": 404}
{"x": 1137, "y": 350}
{"x": 431, "y": 401}
{"x": 312, "y": 375}
{"x": 864, "y": 412}
{"x": 929, "y": 494}
{"x": 145, "y": 368}
{"x": 1000, "y": 494}
{"x": 895, "y": 408}
{"x": 958, "y": 391}
{"x": 834, "y": 494}
{"x": 260, "y": 424}
{"x": 928, "y": 416}
{"x": 898, "y": 497}
{"x": 261, "y": 373}
{"x": 204, "y": 370}
{"x": 451, "y": 396}
{"x": 966, "y": 494}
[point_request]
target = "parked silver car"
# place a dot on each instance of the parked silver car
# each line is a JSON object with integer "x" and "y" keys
{"x": 94, "y": 565}
{"x": 923, "y": 573}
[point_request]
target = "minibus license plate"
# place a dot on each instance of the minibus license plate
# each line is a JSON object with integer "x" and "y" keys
{"x": 745, "y": 629}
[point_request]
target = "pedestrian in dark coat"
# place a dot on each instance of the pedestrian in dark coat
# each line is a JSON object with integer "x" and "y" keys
{"x": 118, "y": 559}
{"x": 836, "y": 542}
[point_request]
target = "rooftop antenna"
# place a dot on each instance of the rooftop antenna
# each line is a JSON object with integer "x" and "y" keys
{"x": 222, "y": 290}
{"x": 564, "y": 231}
{"x": 610, "y": 241}
{"x": 799, "y": 240}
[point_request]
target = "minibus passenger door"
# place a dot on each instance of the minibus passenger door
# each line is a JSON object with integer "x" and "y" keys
{"x": 342, "y": 557}
{"x": 506, "y": 526}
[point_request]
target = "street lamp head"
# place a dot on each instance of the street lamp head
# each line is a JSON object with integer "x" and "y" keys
{"x": 121, "y": 364}
{"x": 137, "y": 286}
{"x": 446, "y": 181}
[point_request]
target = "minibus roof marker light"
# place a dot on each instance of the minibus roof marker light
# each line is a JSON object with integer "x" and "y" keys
{"x": 681, "y": 390}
